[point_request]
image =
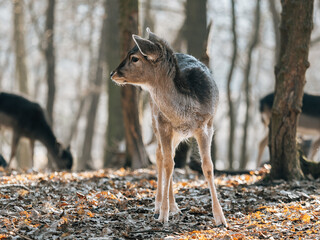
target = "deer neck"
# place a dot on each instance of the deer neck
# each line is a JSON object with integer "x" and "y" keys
{"x": 48, "y": 139}
{"x": 169, "y": 100}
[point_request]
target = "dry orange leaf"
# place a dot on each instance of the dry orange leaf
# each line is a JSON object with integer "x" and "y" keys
{"x": 305, "y": 218}
{"x": 90, "y": 214}
{"x": 3, "y": 236}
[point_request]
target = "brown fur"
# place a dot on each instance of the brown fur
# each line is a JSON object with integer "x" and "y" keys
{"x": 184, "y": 99}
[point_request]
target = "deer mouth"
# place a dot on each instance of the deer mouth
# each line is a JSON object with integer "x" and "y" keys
{"x": 119, "y": 80}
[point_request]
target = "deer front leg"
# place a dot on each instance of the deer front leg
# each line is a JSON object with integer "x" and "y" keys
{"x": 14, "y": 145}
{"x": 159, "y": 161}
{"x": 172, "y": 202}
{"x": 204, "y": 137}
{"x": 168, "y": 164}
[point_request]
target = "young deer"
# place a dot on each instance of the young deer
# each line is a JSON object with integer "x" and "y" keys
{"x": 184, "y": 98}
{"x": 27, "y": 119}
{"x": 309, "y": 121}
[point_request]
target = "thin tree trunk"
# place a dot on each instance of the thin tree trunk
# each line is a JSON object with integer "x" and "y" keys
{"x": 83, "y": 95}
{"x": 115, "y": 128}
{"x": 276, "y": 23}
{"x": 20, "y": 49}
{"x": 74, "y": 125}
{"x": 295, "y": 31}
{"x": 136, "y": 155}
{"x": 50, "y": 58}
{"x": 148, "y": 20}
{"x": 95, "y": 96}
{"x": 252, "y": 45}
{"x": 232, "y": 122}
{"x": 23, "y": 153}
{"x": 196, "y": 26}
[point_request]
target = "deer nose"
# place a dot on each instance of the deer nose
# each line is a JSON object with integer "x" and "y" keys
{"x": 111, "y": 74}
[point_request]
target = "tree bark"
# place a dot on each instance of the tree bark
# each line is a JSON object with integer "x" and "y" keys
{"x": 95, "y": 96}
{"x": 115, "y": 128}
{"x": 23, "y": 153}
{"x": 50, "y": 58}
{"x": 20, "y": 49}
{"x": 148, "y": 19}
{"x": 295, "y": 31}
{"x": 253, "y": 43}
{"x": 196, "y": 25}
{"x": 275, "y": 23}
{"x": 136, "y": 155}
{"x": 232, "y": 122}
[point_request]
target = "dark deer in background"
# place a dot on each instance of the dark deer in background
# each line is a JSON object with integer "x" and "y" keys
{"x": 3, "y": 162}
{"x": 27, "y": 119}
{"x": 309, "y": 121}
{"x": 184, "y": 98}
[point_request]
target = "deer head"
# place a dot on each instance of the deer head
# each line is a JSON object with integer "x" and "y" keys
{"x": 64, "y": 159}
{"x": 145, "y": 62}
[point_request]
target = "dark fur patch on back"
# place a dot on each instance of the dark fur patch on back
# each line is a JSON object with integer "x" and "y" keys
{"x": 193, "y": 78}
{"x": 29, "y": 115}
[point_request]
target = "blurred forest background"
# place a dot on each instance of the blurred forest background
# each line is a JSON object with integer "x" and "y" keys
{"x": 60, "y": 52}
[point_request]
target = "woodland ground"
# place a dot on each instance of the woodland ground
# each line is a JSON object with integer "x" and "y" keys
{"x": 108, "y": 204}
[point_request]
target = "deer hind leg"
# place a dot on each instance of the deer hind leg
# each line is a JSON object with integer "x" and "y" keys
{"x": 204, "y": 138}
{"x": 262, "y": 145}
{"x": 14, "y": 145}
{"x": 172, "y": 202}
{"x": 314, "y": 148}
{"x": 32, "y": 152}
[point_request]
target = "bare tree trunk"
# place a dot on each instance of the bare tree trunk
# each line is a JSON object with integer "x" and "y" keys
{"x": 276, "y": 23}
{"x": 115, "y": 128}
{"x": 148, "y": 20}
{"x": 136, "y": 155}
{"x": 295, "y": 31}
{"x": 20, "y": 49}
{"x": 49, "y": 53}
{"x": 23, "y": 153}
{"x": 50, "y": 58}
{"x": 232, "y": 119}
{"x": 253, "y": 43}
{"x": 196, "y": 26}
{"x": 95, "y": 96}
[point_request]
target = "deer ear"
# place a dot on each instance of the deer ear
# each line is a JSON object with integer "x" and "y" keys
{"x": 146, "y": 47}
{"x": 151, "y": 36}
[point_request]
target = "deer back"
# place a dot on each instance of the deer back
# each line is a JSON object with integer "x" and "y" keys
{"x": 179, "y": 84}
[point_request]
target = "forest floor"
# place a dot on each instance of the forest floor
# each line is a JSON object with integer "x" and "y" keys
{"x": 107, "y": 204}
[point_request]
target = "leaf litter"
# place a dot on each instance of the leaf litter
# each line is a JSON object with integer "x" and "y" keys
{"x": 118, "y": 204}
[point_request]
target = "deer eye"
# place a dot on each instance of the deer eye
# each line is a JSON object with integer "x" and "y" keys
{"x": 134, "y": 59}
